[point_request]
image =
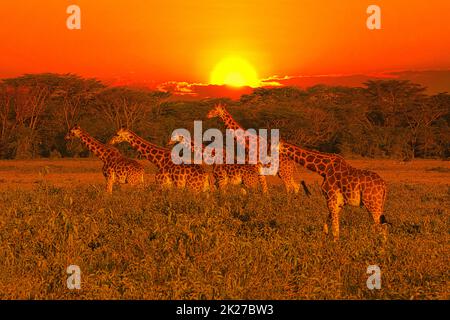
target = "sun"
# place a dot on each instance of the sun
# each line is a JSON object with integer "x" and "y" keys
{"x": 234, "y": 71}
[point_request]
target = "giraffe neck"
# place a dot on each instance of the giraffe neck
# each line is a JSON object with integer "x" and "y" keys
{"x": 229, "y": 121}
{"x": 100, "y": 150}
{"x": 153, "y": 153}
{"x": 312, "y": 160}
{"x": 232, "y": 124}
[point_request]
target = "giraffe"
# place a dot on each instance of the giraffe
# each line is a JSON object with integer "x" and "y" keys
{"x": 342, "y": 184}
{"x": 116, "y": 167}
{"x": 193, "y": 177}
{"x": 224, "y": 174}
{"x": 286, "y": 166}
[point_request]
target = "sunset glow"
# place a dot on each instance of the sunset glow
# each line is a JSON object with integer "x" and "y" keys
{"x": 235, "y": 72}
{"x": 233, "y": 43}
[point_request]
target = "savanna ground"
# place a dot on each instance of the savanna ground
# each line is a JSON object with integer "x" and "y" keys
{"x": 147, "y": 244}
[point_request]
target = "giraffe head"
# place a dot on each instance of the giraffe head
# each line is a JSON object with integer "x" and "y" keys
{"x": 217, "y": 111}
{"x": 122, "y": 135}
{"x": 73, "y": 133}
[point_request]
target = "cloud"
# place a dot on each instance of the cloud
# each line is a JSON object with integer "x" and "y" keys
{"x": 273, "y": 81}
{"x": 181, "y": 88}
{"x": 434, "y": 80}
{"x": 202, "y": 90}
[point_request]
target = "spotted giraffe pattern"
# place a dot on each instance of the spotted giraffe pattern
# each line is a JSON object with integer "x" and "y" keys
{"x": 224, "y": 174}
{"x": 286, "y": 166}
{"x": 342, "y": 184}
{"x": 190, "y": 176}
{"x": 116, "y": 167}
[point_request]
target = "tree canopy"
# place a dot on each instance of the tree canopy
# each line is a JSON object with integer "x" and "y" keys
{"x": 385, "y": 118}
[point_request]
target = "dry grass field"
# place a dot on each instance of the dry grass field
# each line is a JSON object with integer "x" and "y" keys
{"x": 148, "y": 244}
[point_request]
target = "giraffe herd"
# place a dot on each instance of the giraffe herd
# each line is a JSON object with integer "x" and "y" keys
{"x": 342, "y": 184}
{"x": 286, "y": 167}
{"x": 246, "y": 175}
{"x": 192, "y": 177}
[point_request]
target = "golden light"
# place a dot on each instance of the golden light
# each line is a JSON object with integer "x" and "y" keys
{"x": 234, "y": 71}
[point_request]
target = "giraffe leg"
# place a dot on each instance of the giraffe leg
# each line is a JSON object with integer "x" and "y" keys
{"x": 286, "y": 179}
{"x": 335, "y": 204}
{"x": 110, "y": 183}
{"x": 221, "y": 183}
{"x": 379, "y": 219}
{"x": 247, "y": 182}
{"x": 290, "y": 185}
{"x": 211, "y": 182}
{"x": 295, "y": 186}
{"x": 286, "y": 174}
{"x": 287, "y": 186}
{"x": 263, "y": 182}
{"x": 326, "y": 224}
{"x": 142, "y": 180}
{"x": 206, "y": 183}
{"x": 335, "y": 224}
{"x": 381, "y": 225}
{"x": 373, "y": 200}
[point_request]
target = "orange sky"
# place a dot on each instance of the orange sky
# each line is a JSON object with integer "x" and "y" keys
{"x": 183, "y": 40}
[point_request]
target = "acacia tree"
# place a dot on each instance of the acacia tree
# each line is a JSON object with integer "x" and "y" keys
{"x": 69, "y": 105}
{"x": 322, "y": 127}
{"x": 5, "y": 111}
{"x": 389, "y": 104}
{"x": 160, "y": 101}
{"x": 422, "y": 120}
{"x": 73, "y": 95}
{"x": 37, "y": 107}
{"x": 390, "y": 99}
{"x": 121, "y": 106}
{"x": 30, "y": 94}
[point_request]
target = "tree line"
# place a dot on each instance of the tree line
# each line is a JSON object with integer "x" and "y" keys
{"x": 382, "y": 119}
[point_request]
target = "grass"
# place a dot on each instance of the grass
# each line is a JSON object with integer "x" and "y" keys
{"x": 147, "y": 244}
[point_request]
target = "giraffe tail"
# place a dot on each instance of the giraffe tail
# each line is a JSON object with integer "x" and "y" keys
{"x": 384, "y": 221}
{"x": 305, "y": 188}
